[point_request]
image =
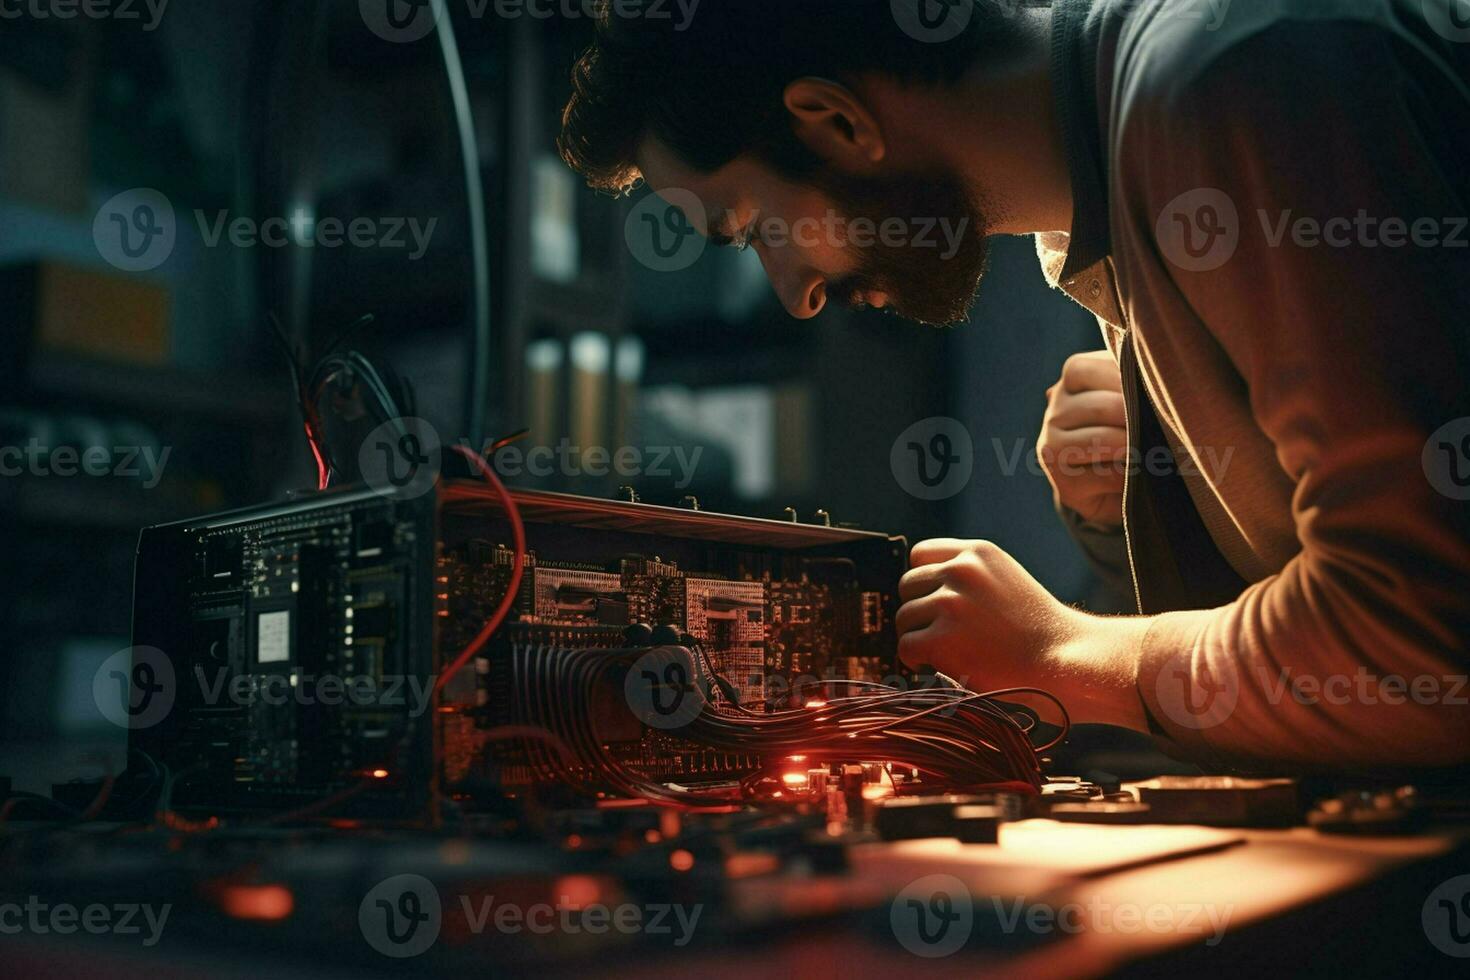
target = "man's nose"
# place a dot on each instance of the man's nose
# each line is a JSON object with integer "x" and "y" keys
{"x": 801, "y": 290}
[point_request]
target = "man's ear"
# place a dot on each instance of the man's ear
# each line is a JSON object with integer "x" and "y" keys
{"x": 835, "y": 124}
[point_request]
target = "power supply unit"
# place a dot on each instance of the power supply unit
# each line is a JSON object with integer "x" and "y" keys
{"x": 290, "y": 658}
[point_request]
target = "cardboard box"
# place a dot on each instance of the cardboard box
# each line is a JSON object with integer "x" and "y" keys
{"x": 66, "y": 309}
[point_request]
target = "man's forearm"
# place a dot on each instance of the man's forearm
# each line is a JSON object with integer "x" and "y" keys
{"x": 1098, "y": 670}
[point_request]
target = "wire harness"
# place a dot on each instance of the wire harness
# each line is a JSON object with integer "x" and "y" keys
{"x": 954, "y": 738}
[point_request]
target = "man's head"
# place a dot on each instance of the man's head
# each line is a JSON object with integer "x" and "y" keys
{"x": 765, "y": 110}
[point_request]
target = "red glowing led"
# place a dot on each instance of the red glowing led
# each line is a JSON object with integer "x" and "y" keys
{"x": 268, "y": 903}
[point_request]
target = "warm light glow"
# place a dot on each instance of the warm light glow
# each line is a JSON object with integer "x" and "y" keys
{"x": 794, "y": 779}
{"x": 798, "y": 758}
{"x": 751, "y": 864}
{"x": 578, "y": 891}
{"x": 455, "y": 851}
{"x": 816, "y": 704}
{"x": 380, "y": 774}
{"x": 261, "y": 902}
{"x": 681, "y": 860}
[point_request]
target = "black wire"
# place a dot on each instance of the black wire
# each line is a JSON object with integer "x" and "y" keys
{"x": 348, "y": 331}
{"x": 957, "y": 738}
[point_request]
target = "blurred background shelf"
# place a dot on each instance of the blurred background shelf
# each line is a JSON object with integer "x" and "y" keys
{"x": 222, "y": 398}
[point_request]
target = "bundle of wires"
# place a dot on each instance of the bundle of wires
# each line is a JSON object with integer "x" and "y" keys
{"x": 954, "y": 738}
{"x": 555, "y": 693}
{"x": 382, "y": 394}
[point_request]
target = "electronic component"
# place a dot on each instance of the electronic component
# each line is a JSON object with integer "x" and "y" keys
{"x": 1221, "y": 801}
{"x": 1103, "y": 812}
{"x": 305, "y": 641}
{"x": 920, "y": 816}
{"x": 1070, "y": 788}
{"x": 973, "y": 819}
{"x": 1368, "y": 812}
{"x": 980, "y": 823}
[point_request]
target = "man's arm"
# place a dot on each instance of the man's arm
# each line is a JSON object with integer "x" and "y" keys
{"x": 1353, "y": 352}
{"x": 1083, "y": 450}
{"x": 1352, "y": 356}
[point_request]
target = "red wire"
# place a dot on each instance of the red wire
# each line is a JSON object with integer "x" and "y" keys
{"x": 323, "y": 475}
{"x": 518, "y": 530}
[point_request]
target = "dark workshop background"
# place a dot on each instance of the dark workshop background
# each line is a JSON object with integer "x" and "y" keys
{"x": 264, "y": 108}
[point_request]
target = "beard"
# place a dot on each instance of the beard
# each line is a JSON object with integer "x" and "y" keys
{"x": 931, "y": 275}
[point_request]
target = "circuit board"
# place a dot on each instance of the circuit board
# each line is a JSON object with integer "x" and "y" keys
{"x": 307, "y": 644}
{"x": 775, "y": 630}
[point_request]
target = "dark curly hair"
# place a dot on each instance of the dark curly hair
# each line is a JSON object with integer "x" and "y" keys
{"x": 710, "y": 85}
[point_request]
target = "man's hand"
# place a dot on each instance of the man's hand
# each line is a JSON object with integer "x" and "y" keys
{"x": 1084, "y": 440}
{"x": 971, "y": 611}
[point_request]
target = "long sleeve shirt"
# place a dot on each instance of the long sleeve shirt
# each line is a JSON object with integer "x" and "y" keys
{"x": 1271, "y": 201}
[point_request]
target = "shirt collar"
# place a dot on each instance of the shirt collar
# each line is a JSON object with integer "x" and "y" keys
{"x": 1076, "y": 30}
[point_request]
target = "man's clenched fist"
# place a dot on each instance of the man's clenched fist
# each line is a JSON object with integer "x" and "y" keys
{"x": 1084, "y": 438}
{"x": 971, "y": 611}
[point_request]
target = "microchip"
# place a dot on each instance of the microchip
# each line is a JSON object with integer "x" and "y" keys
{"x": 372, "y": 620}
{"x": 273, "y": 637}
